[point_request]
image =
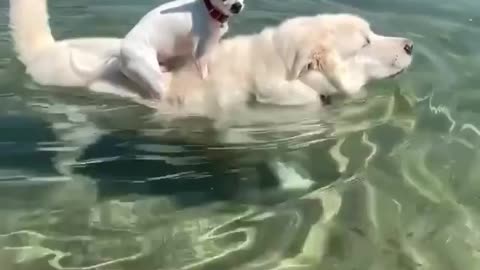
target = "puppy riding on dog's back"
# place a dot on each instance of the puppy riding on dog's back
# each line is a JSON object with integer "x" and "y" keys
{"x": 182, "y": 28}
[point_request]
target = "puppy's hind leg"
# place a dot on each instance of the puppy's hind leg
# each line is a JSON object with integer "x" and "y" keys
{"x": 142, "y": 67}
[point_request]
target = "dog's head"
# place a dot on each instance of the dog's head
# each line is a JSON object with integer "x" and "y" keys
{"x": 347, "y": 52}
{"x": 228, "y": 7}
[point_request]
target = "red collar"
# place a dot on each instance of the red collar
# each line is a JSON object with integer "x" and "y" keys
{"x": 215, "y": 13}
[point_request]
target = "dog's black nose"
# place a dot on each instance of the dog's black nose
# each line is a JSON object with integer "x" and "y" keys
{"x": 408, "y": 47}
{"x": 236, "y": 8}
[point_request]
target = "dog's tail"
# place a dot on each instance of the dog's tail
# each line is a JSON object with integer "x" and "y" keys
{"x": 30, "y": 29}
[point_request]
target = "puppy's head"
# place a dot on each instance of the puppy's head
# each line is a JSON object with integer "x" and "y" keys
{"x": 228, "y": 7}
{"x": 349, "y": 53}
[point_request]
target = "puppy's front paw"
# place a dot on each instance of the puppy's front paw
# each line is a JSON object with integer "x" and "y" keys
{"x": 223, "y": 30}
{"x": 175, "y": 100}
{"x": 158, "y": 93}
{"x": 202, "y": 69}
{"x": 204, "y": 72}
{"x": 155, "y": 95}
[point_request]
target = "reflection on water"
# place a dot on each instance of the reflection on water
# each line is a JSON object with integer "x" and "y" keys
{"x": 389, "y": 182}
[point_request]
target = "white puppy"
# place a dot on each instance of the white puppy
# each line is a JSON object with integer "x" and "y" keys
{"x": 180, "y": 28}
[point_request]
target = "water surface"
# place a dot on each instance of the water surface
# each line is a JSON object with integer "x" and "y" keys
{"x": 86, "y": 182}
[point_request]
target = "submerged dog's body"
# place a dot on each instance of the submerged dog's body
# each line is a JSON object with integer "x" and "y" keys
{"x": 268, "y": 67}
{"x": 239, "y": 67}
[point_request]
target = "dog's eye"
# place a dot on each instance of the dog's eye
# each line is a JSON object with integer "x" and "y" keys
{"x": 367, "y": 42}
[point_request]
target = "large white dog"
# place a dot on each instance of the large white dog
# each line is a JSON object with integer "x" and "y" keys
{"x": 289, "y": 64}
{"x": 181, "y": 28}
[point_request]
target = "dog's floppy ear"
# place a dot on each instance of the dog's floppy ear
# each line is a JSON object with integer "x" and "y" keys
{"x": 316, "y": 58}
{"x": 311, "y": 53}
{"x": 299, "y": 65}
{"x": 316, "y": 51}
{"x": 329, "y": 62}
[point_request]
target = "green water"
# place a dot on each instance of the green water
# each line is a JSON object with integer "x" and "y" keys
{"x": 86, "y": 182}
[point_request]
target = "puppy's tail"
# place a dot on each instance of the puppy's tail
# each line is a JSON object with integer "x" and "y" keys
{"x": 30, "y": 29}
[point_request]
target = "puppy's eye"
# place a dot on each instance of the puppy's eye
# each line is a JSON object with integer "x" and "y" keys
{"x": 310, "y": 66}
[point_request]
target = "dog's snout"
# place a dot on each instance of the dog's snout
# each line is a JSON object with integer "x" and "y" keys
{"x": 236, "y": 8}
{"x": 408, "y": 47}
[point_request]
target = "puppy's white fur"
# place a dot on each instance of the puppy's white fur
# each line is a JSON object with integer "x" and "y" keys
{"x": 269, "y": 67}
{"x": 181, "y": 28}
